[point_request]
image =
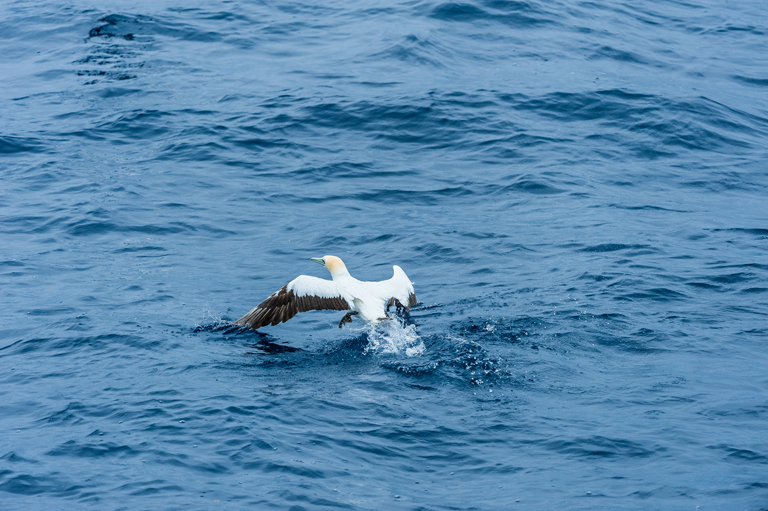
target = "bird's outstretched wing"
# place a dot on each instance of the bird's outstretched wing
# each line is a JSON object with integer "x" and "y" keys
{"x": 302, "y": 294}
{"x": 398, "y": 290}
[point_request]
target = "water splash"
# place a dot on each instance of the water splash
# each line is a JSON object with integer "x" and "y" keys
{"x": 394, "y": 337}
{"x": 210, "y": 321}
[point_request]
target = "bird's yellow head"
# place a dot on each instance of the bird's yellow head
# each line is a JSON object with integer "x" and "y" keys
{"x": 334, "y": 264}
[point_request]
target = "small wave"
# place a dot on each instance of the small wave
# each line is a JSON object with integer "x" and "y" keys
{"x": 10, "y": 145}
{"x": 761, "y": 82}
{"x": 394, "y": 337}
{"x": 507, "y": 15}
{"x": 613, "y": 247}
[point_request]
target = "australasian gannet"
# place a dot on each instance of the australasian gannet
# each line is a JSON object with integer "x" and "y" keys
{"x": 304, "y": 293}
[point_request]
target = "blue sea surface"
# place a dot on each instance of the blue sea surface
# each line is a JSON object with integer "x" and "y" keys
{"x": 577, "y": 189}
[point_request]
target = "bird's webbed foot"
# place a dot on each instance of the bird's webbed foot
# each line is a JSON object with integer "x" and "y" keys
{"x": 347, "y": 318}
{"x": 398, "y": 306}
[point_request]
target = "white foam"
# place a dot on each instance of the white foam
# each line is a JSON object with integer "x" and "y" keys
{"x": 394, "y": 337}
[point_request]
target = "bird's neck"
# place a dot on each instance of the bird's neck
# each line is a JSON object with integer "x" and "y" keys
{"x": 339, "y": 271}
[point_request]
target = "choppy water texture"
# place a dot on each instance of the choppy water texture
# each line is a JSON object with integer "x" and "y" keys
{"x": 577, "y": 189}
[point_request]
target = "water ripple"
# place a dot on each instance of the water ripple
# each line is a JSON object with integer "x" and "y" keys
{"x": 577, "y": 192}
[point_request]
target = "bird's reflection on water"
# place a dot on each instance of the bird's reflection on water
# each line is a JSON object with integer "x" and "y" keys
{"x": 267, "y": 347}
{"x": 264, "y": 346}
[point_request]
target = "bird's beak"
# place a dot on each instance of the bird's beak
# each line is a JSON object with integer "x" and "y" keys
{"x": 318, "y": 261}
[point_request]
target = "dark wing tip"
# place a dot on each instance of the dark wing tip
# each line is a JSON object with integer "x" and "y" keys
{"x": 283, "y": 305}
{"x": 412, "y": 300}
{"x": 278, "y": 308}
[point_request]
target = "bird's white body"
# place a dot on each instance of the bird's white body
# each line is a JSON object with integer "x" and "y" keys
{"x": 369, "y": 300}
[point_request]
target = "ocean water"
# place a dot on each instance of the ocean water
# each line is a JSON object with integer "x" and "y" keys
{"x": 577, "y": 189}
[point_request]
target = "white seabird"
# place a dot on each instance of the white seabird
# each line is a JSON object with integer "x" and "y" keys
{"x": 304, "y": 293}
